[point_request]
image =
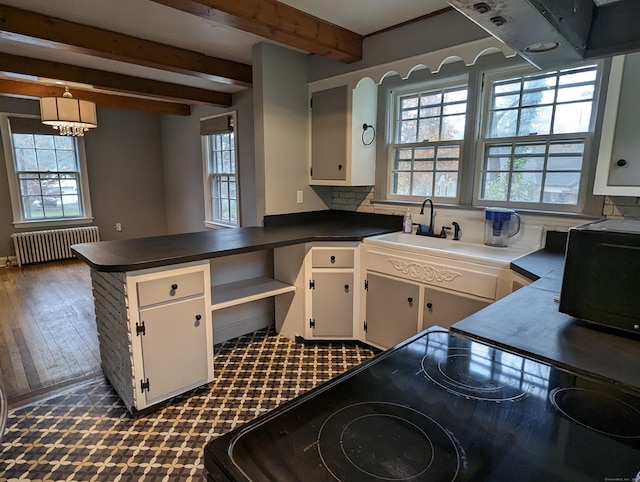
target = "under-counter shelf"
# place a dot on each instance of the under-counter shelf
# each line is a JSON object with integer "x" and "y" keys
{"x": 244, "y": 291}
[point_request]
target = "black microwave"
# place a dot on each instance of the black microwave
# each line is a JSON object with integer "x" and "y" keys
{"x": 601, "y": 280}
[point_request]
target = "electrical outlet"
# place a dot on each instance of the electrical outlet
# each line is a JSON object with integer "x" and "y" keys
{"x": 299, "y": 197}
{"x": 117, "y": 227}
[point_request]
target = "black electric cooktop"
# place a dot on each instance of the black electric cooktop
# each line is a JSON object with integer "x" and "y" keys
{"x": 441, "y": 408}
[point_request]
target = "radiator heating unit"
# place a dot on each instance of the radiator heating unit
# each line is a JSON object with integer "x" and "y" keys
{"x": 51, "y": 244}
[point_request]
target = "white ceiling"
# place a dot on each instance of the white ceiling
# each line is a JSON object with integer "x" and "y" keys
{"x": 159, "y": 23}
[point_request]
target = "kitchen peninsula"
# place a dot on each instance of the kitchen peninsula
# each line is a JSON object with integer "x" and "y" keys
{"x": 154, "y": 297}
{"x": 140, "y": 282}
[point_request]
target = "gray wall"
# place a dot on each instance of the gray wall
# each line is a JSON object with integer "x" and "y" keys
{"x": 281, "y": 115}
{"x": 182, "y": 155}
{"x": 124, "y": 164}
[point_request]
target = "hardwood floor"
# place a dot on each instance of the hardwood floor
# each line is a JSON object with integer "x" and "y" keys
{"x": 48, "y": 334}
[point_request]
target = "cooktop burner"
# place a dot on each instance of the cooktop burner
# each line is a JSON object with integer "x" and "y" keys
{"x": 444, "y": 408}
{"x": 386, "y": 441}
{"x": 461, "y": 373}
{"x": 597, "y": 411}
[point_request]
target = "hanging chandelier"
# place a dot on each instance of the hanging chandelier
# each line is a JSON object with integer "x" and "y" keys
{"x": 71, "y": 117}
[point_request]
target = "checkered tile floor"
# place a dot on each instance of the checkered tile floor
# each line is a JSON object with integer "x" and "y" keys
{"x": 87, "y": 435}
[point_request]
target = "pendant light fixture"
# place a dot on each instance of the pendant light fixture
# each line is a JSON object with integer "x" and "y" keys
{"x": 71, "y": 117}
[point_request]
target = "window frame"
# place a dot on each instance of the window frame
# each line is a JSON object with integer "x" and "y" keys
{"x": 588, "y": 137}
{"x": 208, "y": 175}
{"x": 19, "y": 221}
{"x": 393, "y": 100}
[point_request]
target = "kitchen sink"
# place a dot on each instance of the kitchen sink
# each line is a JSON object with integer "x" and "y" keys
{"x": 448, "y": 248}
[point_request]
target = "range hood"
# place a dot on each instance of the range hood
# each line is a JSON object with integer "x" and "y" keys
{"x": 556, "y": 33}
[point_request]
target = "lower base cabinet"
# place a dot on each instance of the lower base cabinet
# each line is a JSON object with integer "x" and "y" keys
{"x": 392, "y": 308}
{"x": 332, "y": 305}
{"x": 174, "y": 348}
{"x": 444, "y": 308}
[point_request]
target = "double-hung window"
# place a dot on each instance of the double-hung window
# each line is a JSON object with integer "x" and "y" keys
{"x": 535, "y": 138}
{"x": 46, "y": 172}
{"x": 220, "y": 170}
{"x": 427, "y": 137}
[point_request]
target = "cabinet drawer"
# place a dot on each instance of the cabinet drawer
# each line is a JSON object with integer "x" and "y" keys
{"x": 332, "y": 258}
{"x": 170, "y": 288}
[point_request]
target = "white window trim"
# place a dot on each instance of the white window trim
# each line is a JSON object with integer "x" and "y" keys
{"x": 392, "y": 114}
{"x": 208, "y": 207}
{"x": 14, "y": 192}
{"x": 482, "y": 140}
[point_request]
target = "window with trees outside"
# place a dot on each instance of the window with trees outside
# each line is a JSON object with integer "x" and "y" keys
{"x": 428, "y": 132}
{"x": 221, "y": 184}
{"x": 536, "y": 131}
{"x": 46, "y": 177}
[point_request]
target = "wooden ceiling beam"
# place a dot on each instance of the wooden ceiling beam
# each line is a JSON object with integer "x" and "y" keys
{"x": 27, "y": 26}
{"x": 280, "y": 22}
{"x": 32, "y": 89}
{"x": 108, "y": 80}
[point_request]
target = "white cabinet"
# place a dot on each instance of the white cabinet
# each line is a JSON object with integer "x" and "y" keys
{"x": 330, "y": 293}
{"x": 444, "y": 308}
{"x": 408, "y": 292}
{"x": 618, "y": 167}
{"x": 342, "y": 151}
{"x": 326, "y": 301}
{"x": 392, "y": 310}
{"x": 171, "y": 332}
{"x": 174, "y": 348}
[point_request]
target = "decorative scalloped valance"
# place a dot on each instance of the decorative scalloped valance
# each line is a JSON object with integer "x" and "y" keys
{"x": 467, "y": 53}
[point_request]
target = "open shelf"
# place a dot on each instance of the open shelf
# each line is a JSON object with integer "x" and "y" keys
{"x": 244, "y": 291}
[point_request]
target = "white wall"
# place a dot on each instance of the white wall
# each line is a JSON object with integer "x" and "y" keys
{"x": 280, "y": 100}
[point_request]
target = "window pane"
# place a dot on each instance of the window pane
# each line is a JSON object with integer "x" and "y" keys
{"x": 23, "y": 141}
{"x": 447, "y": 184}
{"x": 565, "y": 156}
{"x": 408, "y": 131}
{"x": 535, "y": 121}
{"x": 525, "y": 187}
{"x": 572, "y": 117}
{"x": 25, "y": 159}
{"x": 47, "y": 160}
{"x": 43, "y": 142}
{"x": 429, "y": 130}
{"x": 402, "y": 183}
{"x": 456, "y": 95}
{"x": 562, "y": 188}
{"x": 433, "y": 98}
{"x": 570, "y": 94}
{"x": 422, "y": 184}
{"x": 498, "y": 158}
{"x": 503, "y": 123}
{"x": 409, "y": 102}
{"x": 495, "y": 186}
{"x": 453, "y": 127}
{"x": 529, "y": 157}
{"x": 409, "y": 114}
{"x": 506, "y": 101}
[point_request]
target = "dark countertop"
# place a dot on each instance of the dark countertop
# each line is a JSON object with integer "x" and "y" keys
{"x": 528, "y": 323}
{"x": 281, "y": 230}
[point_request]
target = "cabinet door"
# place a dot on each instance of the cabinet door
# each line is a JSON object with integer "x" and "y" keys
{"x": 332, "y": 305}
{"x": 329, "y": 134}
{"x": 392, "y": 310}
{"x": 626, "y": 143}
{"x": 174, "y": 347}
{"x": 444, "y": 308}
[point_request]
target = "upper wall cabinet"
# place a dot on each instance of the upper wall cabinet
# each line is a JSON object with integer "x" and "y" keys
{"x": 343, "y": 134}
{"x": 618, "y": 168}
